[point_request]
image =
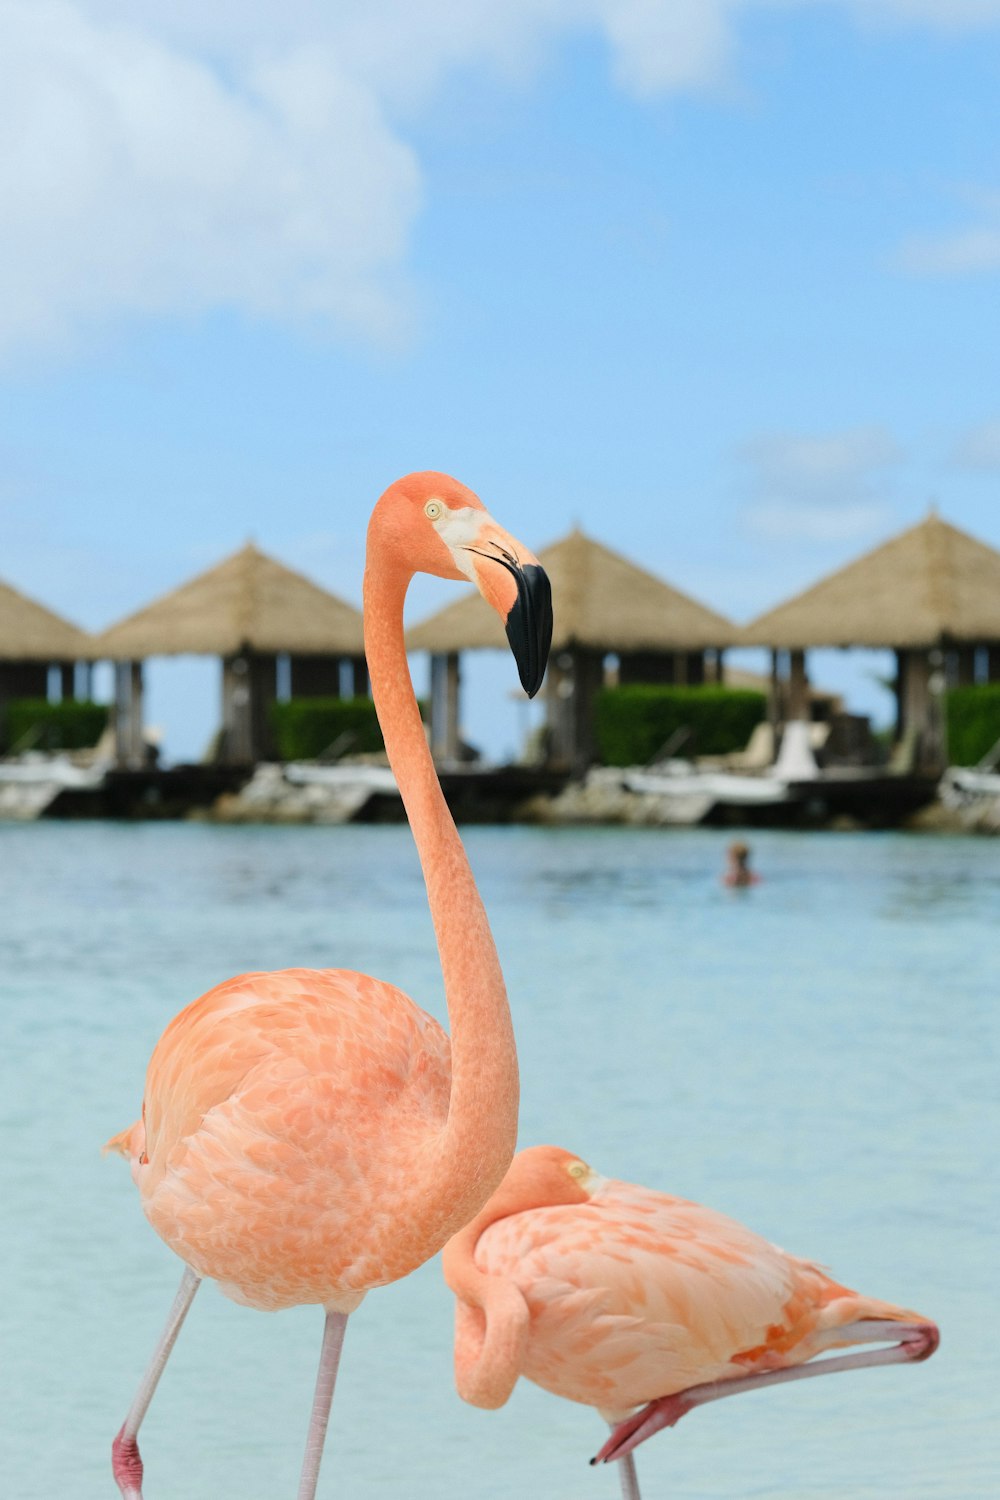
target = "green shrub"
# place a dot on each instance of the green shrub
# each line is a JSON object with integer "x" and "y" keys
{"x": 305, "y": 728}
{"x": 35, "y": 724}
{"x": 633, "y": 723}
{"x": 973, "y": 719}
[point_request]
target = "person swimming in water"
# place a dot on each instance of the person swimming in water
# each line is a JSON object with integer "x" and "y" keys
{"x": 738, "y": 871}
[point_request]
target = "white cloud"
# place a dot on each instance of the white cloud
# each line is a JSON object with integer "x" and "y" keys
{"x": 813, "y": 521}
{"x": 819, "y": 488}
{"x": 167, "y": 159}
{"x": 135, "y": 180}
{"x": 173, "y": 156}
{"x": 979, "y": 447}
{"x": 958, "y": 252}
{"x": 404, "y": 48}
{"x": 963, "y": 253}
{"x": 686, "y": 44}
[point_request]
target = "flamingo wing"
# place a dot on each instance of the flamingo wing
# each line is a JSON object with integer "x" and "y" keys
{"x": 636, "y": 1294}
{"x": 282, "y": 1112}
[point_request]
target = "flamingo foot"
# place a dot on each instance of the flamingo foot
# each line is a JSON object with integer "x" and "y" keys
{"x": 127, "y": 1466}
{"x": 665, "y": 1412}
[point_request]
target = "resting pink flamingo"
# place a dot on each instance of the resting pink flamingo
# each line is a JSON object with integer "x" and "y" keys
{"x": 622, "y": 1298}
{"x": 307, "y": 1135}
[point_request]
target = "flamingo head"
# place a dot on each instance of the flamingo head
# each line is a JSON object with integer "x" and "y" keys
{"x": 430, "y": 523}
{"x": 543, "y": 1176}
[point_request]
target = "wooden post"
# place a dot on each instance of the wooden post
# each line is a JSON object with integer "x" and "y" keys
{"x": 438, "y": 707}
{"x": 249, "y": 688}
{"x": 775, "y": 706}
{"x": 121, "y": 713}
{"x": 360, "y": 670}
{"x": 130, "y": 746}
{"x": 445, "y": 700}
{"x": 138, "y": 744}
{"x": 263, "y": 694}
{"x": 966, "y": 666}
{"x": 586, "y": 676}
{"x": 993, "y": 664}
{"x": 934, "y": 756}
{"x": 452, "y": 688}
{"x": 916, "y": 693}
{"x": 236, "y": 735}
{"x": 680, "y": 668}
{"x": 798, "y": 686}
{"x": 899, "y": 687}
{"x": 923, "y": 686}
{"x": 558, "y": 692}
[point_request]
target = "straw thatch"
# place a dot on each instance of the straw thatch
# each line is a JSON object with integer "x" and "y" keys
{"x": 249, "y": 602}
{"x": 931, "y": 584}
{"x": 599, "y": 600}
{"x": 30, "y": 632}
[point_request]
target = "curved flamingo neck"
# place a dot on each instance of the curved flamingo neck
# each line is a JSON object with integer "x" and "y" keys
{"x": 475, "y": 1148}
{"x": 492, "y": 1320}
{"x": 458, "y": 1260}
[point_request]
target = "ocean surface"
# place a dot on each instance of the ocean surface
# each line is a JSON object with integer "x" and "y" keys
{"x": 816, "y": 1056}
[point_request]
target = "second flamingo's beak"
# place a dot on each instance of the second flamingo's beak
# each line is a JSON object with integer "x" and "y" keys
{"x": 513, "y": 581}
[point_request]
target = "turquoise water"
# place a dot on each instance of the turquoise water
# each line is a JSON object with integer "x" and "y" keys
{"x": 817, "y": 1056}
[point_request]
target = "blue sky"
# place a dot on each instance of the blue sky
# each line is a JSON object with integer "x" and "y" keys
{"x": 716, "y": 279}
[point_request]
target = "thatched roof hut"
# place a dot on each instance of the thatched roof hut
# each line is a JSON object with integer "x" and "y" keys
{"x": 33, "y": 639}
{"x": 932, "y": 594}
{"x": 248, "y": 602}
{"x": 30, "y": 632}
{"x": 930, "y": 585}
{"x": 600, "y": 600}
{"x": 246, "y": 610}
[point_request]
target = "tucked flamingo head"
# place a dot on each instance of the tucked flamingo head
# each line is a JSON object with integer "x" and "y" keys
{"x": 544, "y": 1176}
{"x": 430, "y": 523}
{"x": 538, "y": 1177}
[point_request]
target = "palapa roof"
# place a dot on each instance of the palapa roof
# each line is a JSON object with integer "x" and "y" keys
{"x": 599, "y": 599}
{"x": 930, "y": 584}
{"x": 30, "y": 632}
{"x": 247, "y": 602}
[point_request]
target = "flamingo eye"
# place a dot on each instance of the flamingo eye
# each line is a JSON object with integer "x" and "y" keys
{"x": 577, "y": 1170}
{"x": 433, "y": 509}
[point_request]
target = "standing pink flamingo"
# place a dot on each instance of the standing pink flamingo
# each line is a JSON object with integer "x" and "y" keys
{"x": 620, "y": 1297}
{"x": 307, "y": 1135}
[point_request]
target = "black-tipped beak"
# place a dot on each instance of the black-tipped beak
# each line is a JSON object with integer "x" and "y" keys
{"x": 529, "y": 625}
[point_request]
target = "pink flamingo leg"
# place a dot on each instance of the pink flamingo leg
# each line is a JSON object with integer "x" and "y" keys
{"x": 333, "y": 1340}
{"x": 919, "y": 1340}
{"x": 629, "y": 1478}
{"x": 125, "y": 1460}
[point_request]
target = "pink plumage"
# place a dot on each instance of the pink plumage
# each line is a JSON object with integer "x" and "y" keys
{"x": 310, "y": 1134}
{"x": 268, "y": 1167}
{"x": 617, "y": 1296}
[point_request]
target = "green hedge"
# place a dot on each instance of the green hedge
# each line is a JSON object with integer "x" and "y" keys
{"x": 633, "y": 723}
{"x": 973, "y": 718}
{"x": 305, "y": 728}
{"x": 35, "y": 724}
